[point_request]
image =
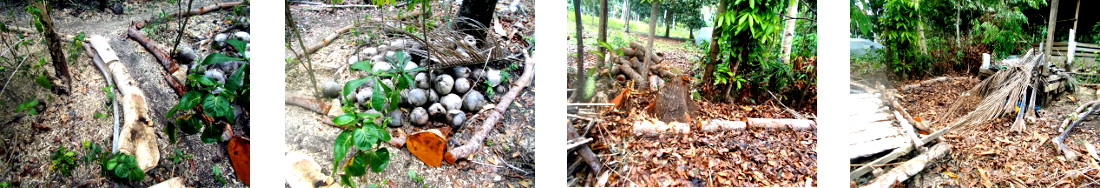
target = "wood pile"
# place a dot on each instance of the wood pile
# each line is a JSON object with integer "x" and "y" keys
{"x": 637, "y": 64}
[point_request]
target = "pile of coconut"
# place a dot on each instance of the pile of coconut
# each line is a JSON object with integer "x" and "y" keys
{"x": 441, "y": 95}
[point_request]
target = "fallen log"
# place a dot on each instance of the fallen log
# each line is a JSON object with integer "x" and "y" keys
{"x": 98, "y": 62}
{"x": 166, "y": 61}
{"x": 639, "y": 81}
{"x": 492, "y": 119}
{"x": 196, "y": 11}
{"x": 1060, "y": 140}
{"x": 336, "y": 34}
{"x": 321, "y": 107}
{"x": 137, "y": 136}
{"x": 912, "y": 167}
{"x": 855, "y": 174}
{"x": 658, "y": 127}
{"x": 931, "y": 81}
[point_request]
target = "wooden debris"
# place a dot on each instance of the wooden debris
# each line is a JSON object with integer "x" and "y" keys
{"x": 303, "y": 171}
{"x": 309, "y": 103}
{"x": 584, "y": 152}
{"x": 862, "y": 170}
{"x": 657, "y": 127}
{"x": 137, "y": 135}
{"x": 165, "y": 60}
{"x": 198, "y": 11}
{"x": 911, "y": 167}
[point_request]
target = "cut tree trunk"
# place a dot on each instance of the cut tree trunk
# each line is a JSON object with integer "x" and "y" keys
{"x": 673, "y": 103}
{"x": 102, "y": 66}
{"x": 61, "y": 85}
{"x": 657, "y": 128}
{"x": 137, "y": 136}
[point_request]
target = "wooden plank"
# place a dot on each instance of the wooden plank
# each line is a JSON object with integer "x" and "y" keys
{"x": 855, "y": 174}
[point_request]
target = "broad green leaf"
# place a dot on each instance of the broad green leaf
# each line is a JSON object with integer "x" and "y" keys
{"x": 218, "y": 58}
{"x": 368, "y": 116}
{"x": 216, "y": 106}
{"x": 352, "y": 85}
{"x": 340, "y": 148}
{"x": 188, "y": 124}
{"x": 361, "y": 65}
{"x": 42, "y": 81}
{"x": 364, "y": 138}
{"x": 205, "y": 81}
{"x": 211, "y": 134}
{"x": 402, "y": 83}
{"x": 394, "y": 97}
{"x": 237, "y": 44}
{"x": 235, "y": 81}
{"x": 378, "y": 99}
{"x": 346, "y": 180}
{"x": 343, "y": 119}
{"x": 188, "y": 101}
{"x": 385, "y": 134}
{"x": 358, "y": 165}
{"x": 381, "y": 160}
{"x": 27, "y": 105}
{"x": 170, "y": 129}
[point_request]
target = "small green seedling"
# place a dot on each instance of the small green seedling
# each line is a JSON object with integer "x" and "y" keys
{"x": 63, "y": 161}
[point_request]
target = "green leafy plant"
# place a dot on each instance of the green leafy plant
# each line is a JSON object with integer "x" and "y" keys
{"x": 92, "y": 152}
{"x": 63, "y": 161}
{"x": 28, "y": 107}
{"x": 218, "y": 174}
{"x": 365, "y": 131}
{"x": 213, "y": 96}
{"x": 414, "y": 177}
{"x": 122, "y": 166}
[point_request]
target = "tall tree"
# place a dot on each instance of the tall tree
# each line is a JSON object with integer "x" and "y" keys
{"x": 652, "y": 29}
{"x": 788, "y": 32}
{"x": 668, "y": 21}
{"x": 579, "y": 79}
{"x": 712, "y": 54}
{"x": 626, "y": 16}
{"x": 53, "y": 42}
{"x": 482, "y": 12}
{"x": 602, "y": 35}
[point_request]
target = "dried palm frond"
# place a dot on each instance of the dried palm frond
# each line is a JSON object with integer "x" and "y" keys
{"x": 1002, "y": 93}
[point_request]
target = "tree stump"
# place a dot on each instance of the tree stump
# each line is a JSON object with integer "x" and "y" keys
{"x": 673, "y": 103}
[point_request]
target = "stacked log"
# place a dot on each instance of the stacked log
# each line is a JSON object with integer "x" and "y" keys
{"x": 632, "y": 65}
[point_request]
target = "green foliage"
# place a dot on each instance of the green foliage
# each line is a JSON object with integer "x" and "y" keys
{"x": 92, "y": 152}
{"x": 215, "y": 98}
{"x": 899, "y": 34}
{"x": 123, "y": 167}
{"x": 41, "y": 80}
{"x": 63, "y": 161}
{"x": 1002, "y": 29}
{"x": 362, "y": 134}
{"x": 28, "y": 107}
{"x": 414, "y": 177}
{"x": 218, "y": 174}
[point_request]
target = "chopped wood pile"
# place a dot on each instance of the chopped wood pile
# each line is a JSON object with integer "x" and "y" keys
{"x": 636, "y": 64}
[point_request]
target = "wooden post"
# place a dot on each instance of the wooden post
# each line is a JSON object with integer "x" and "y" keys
{"x": 1052, "y": 21}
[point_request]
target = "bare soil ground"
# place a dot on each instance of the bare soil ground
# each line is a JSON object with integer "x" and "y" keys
{"x": 70, "y": 119}
{"x": 731, "y": 158}
{"x": 990, "y": 155}
{"x": 512, "y": 142}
